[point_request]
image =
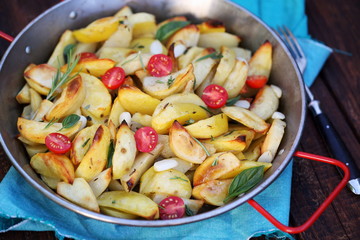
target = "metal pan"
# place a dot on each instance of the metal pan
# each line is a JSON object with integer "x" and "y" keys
{"x": 37, "y": 41}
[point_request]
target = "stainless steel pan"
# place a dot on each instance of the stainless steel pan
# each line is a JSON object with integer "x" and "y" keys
{"x": 37, "y": 41}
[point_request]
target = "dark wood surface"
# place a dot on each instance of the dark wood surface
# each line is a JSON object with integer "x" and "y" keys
{"x": 336, "y": 23}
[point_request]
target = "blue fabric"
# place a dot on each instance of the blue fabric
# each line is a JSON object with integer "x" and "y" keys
{"x": 24, "y": 208}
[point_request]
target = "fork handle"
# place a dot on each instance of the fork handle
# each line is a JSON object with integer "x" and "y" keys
{"x": 333, "y": 140}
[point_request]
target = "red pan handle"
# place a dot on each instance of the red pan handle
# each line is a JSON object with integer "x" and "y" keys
{"x": 6, "y": 36}
{"x": 323, "y": 206}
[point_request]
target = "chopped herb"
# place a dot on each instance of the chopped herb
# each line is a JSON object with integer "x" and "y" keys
{"x": 131, "y": 59}
{"x": 161, "y": 206}
{"x": 188, "y": 211}
{"x": 170, "y": 81}
{"x": 213, "y": 55}
{"x": 244, "y": 181}
{"x": 206, "y": 109}
{"x": 215, "y": 162}
{"x": 212, "y": 138}
{"x": 113, "y": 201}
{"x": 69, "y": 121}
{"x": 202, "y": 145}
{"x": 141, "y": 47}
{"x": 158, "y": 81}
{"x": 232, "y": 101}
{"x": 52, "y": 121}
{"x": 60, "y": 79}
{"x": 190, "y": 121}
{"x": 168, "y": 29}
{"x": 84, "y": 144}
{"x": 141, "y": 61}
{"x": 176, "y": 177}
{"x": 194, "y": 84}
{"x": 110, "y": 154}
{"x": 121, "y": 21}
{"x": 228, "y": 133}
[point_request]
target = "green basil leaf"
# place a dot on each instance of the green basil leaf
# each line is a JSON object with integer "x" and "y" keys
{"x": 244, "y": 181}
{"x": 168, "y": 29}
{"x": 68, "y": 49}
{"x": 232, "y": 101}
{"x": 70, "y": 121}
{"x": 188, "y": 211}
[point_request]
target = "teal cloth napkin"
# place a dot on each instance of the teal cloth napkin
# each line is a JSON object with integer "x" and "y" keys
{"x": 22, "y": 208}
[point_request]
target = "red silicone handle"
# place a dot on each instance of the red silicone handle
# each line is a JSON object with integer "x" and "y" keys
{"x": 6, "y": 36}
{"x": 323, "y": 206}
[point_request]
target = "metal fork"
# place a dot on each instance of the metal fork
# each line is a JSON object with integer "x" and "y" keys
{"x": 332, "y": 138}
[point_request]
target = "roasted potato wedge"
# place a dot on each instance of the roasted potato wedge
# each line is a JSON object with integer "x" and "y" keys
{"x": 97, "y": 102}
{"x": 189, "y": 35}
{"x": 43, "y": 109}
{"x": 143, "y": 162}
{"x": 184, "y": 145}
{"x": 189, "y": 56}
{"x": 235, "y": 140}
{"x": 54, "y": 166}
{"x": 116, "y": 213}
{"x": 130, "y": 202}
{"x": 211, "y": 25}
{"x": 143, "y": 119}
{"x": 203, "y": 67}
{"x": 97, "y": 31}
{"x": 95, "y": 158}
{"x": 85, "y": 47}
{"x": 81, "y": 143}
{"x": 146, "y": 45}
{"x": 80, "y": 193}
{"x": 23, "y": 96}
{"x": 34, "y": 149}
{"x": 115, "y": 53}
{"x": 35, "y": 100}
{"x": 246, "y": 118}
{"x": 121, "y": 38}
{"x": 265, "y": 103}
{"x": 273, "y": 139}
{"x": 216, "y": 166}
{"x": 225, "y": 66}
{"x": 170, "y": 182}
{"x": 253, "y": 152}
{"x": 133, "y": 100}
{"x": 213, "y": 192}
{"x": 236, "y": 79}
{"x": 166, "y": 151}
{"x": 95, "y": 67}
{"x": 245, "y": 164}
{"x": 261, "y": 62}
{"x": 35, "y": 131}
{"x": 57, "y": 57}
{"x": 218, "y": 39}
{"x": 242, "y": 53}
{"x": 100, "y": 182}
{"x": 135, "y": 62}
{"x": 143, "y": 24}
{"x": 115, "y": 112}
{"x": 125, "y": 11}
{"x": 39, "y": 77}
{"x": 71, "y": 98}
{"x": 209, "y": 127}
{"x": 124, "y": 153}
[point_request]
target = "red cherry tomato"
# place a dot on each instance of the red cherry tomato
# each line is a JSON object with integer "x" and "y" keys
{"x": 87, "y": 55}
{"x": 215, "y": 96}
{"x": 257, "y": 81}
{"x": 113, "y": 78}
{"x": 58, "y": 143}
{"x": 160, "y": 65}
{"x": 146, "y": 139}
{"x": 171, "y": 208}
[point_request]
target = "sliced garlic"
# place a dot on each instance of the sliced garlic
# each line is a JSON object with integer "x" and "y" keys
{"x": 278, "y": 115}
{"x": 179, "y": 49}
{"x": 281, "y": 151}
{"x": 266, "y": 157}
{"x": 156, "y": 47}
{"x": 243, "y": 104}
{"x": 125, "y": 116}
{"x": 165, "y": 164}
{"x": 83, "y": 121}
{"x": 277, "y": 90}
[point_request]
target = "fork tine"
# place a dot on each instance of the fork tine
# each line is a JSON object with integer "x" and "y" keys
{"x": 294, "y": 40}
{"x": 288, "y": 42}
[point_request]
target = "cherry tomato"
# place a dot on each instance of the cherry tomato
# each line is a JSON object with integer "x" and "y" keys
{"x": 146, "y": 139}
{"x": 87, "y": 55}
{"x": 58, "y": 143}
{"x": 160, "y": 65}
{"x": 215, "y": 96}
{"x": 171, "y": 208}
{"x": 257, "y": 81}
{"x": 113, "y": 78}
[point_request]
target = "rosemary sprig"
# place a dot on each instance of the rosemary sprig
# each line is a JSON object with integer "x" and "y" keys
{"x": 110, "y": 154}
{"x": 60, "y": 79}
{"x": 213, "y": 55}
{"x": 206, "y": 109}
{"x": 84, "y": 144}
{"x": 202, "y": 145}
{"x": 215, "y": 162}
{"x": 188, "y": 211}
{"x": 52, "y": 121}
{"x": 180, "y": 178}
{"x": 232, "y": 101}
{"x": 170, "y": 81}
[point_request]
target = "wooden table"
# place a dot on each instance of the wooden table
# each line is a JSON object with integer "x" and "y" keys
{"x": 337, "y": 87}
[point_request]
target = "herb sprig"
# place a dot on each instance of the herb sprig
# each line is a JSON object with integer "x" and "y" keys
{"x": 168, "y": 29}
{"x": 69, "y": 121}
{"x": 61, "y": 79}
{"x": 244, "y": 181}
{"x": 213, "y": 55}
{"x": 203, "y": 147}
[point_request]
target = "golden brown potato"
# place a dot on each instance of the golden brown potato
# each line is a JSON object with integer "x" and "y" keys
{"x": 265, "y": 103}
{"x": 39, "y": 77}
{"x": 218, "y": 39}
{"x": 261, "y": 62}
{"x": 53, "y": 165}
{"x": 95, "y": 67}
{"x": 130, "y": 202}
{"x": 225, "y": 66}
{"x": 245, "y": 164}
{"x": 213, "y": 192}
{"x": 100, "y": 182}
{"x": 215, "y": 167}
{"x": 273, "y": 139}
{"x": 236, "y": 79}
{"x": 95, "y": 158}
{"x": 211, "y": 25}
{"x": 210, "y": 127}
{"x": 189, "y": 35}
{"x": 184, "y": 145}
{"x": 57, "y": 57}
{"x": 23, "y": 96}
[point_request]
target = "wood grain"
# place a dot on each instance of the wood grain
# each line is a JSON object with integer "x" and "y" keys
{"x": 337, "y": 87}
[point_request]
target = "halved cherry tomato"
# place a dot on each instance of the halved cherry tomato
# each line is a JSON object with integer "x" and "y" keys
{"x": 257, "y": 81}
{"x": 171, "y": 208}
{"x": 160, "y": 65}
{"x": 58, "y": 143}
{"x": 113, "y": 78}
{"x": 215, "y": 96}
{"x": 87, "y": 55}
{"x": 146, "y": 139}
